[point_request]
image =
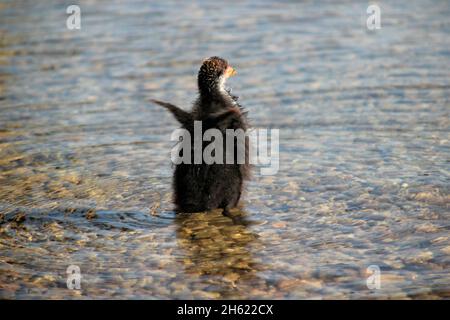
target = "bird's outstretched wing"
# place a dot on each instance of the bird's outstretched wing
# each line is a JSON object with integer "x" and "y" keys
{"x": 182, "y": 116}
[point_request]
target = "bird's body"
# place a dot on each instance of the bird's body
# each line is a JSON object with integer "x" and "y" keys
{"x": 203, "y": 187}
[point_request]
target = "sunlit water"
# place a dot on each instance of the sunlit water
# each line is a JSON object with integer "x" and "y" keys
{"x": 364, "y": 150}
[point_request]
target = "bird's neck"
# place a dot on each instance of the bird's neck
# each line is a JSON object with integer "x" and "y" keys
{"x": 213, "y": 91}
{"x": 214, "y": 99}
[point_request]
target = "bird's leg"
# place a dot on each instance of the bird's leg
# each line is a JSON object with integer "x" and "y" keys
{"x": 226, "y": 212}
{"x": 236, "y": 219}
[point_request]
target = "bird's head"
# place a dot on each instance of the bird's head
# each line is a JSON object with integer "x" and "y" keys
{"x": 212, "y": 75}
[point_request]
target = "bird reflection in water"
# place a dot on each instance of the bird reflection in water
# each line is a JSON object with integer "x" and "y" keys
{"x": 219, "y": 251}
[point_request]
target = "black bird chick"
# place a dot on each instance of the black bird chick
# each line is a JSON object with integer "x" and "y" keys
{"x": 204, "y": 187}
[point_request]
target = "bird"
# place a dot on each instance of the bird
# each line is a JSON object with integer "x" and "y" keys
{"x": 200, "y": 187}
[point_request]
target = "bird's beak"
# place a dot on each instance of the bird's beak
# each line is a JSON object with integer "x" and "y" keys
{"x": 230, "y": 72}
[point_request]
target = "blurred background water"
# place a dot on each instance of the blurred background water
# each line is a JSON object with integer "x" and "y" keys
{"x": 85, "y": 168}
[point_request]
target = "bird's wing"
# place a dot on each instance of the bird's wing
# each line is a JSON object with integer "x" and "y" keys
{"x": 182, "y": 116}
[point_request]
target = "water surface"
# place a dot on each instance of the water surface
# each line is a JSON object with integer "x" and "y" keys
{"x": 85, "y": 168}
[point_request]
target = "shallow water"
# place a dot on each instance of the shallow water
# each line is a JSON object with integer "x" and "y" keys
{"x": 364, "y": 150}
